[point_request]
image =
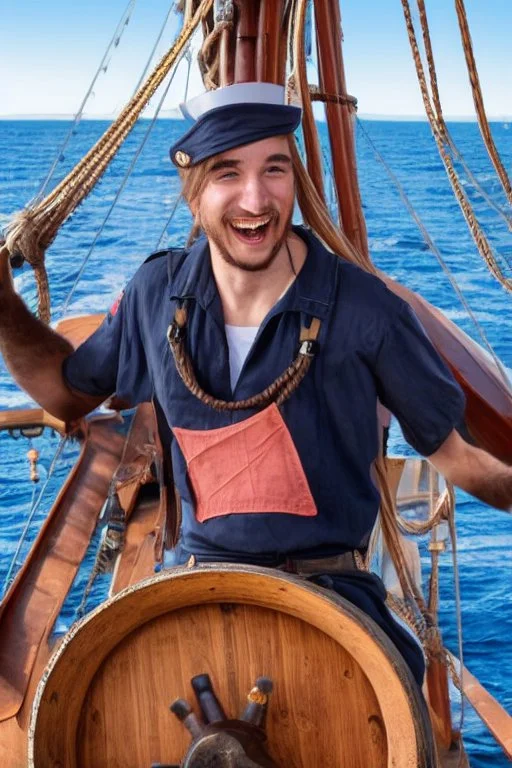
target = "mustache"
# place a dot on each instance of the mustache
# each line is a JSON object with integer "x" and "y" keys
{"x": 271, "y": 212}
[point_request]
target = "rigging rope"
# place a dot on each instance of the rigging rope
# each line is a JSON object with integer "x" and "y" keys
{"x": 89, "y": 253}
{"x": 33, "y": 509}
{"x": 481, "y": 241}
{"x": 32, "y": 231}
{"x": 437, "y": 253}
{"x": 298, "y": 82}
{"x": 458, "y": 612}
{"x": 179, "y": 198}
{"x": 440, "y": 117}
{"x": 124, "y": 21}
{"x": 120, "y": 189}
{"x": 478, "y": 99}
{"x": 154, "y": 49}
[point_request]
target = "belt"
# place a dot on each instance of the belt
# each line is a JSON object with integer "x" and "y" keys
{"x": 333, "y": 564}
{"x": 303, "y": 567}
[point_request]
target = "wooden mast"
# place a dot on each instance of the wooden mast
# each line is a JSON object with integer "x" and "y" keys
{"x": 339, "y": 122}
{"x": 268, "y": 54}
{"x": 246, "y": 37}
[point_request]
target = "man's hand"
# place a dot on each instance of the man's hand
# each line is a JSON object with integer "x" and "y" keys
{"x": 475, "y": 471}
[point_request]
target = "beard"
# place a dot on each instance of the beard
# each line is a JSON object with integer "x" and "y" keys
{"x": 216, "y": 235}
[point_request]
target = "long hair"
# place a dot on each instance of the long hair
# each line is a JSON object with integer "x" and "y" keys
{"x": 316, "y": 216}
{"x": 193, "y": 181}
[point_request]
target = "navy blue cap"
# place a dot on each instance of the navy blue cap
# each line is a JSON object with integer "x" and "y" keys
{"x": 231, "y": 117}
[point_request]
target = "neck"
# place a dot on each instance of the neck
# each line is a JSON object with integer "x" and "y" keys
{"x": 246, "y": 296}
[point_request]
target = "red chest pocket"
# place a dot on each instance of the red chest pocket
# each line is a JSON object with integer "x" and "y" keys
{"x": 249, "y": 467}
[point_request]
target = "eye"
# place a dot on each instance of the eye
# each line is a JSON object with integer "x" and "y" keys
{"x": 275, "y": 169}
{"x": 226, "y": 175}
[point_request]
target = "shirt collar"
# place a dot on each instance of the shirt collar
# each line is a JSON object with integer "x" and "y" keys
{"x": 312, "y": 292}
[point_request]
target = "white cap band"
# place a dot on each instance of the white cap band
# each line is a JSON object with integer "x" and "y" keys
{"x": 240, "y": 93}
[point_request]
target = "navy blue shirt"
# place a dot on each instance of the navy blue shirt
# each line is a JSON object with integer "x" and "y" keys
{"x": 370, "y": 346}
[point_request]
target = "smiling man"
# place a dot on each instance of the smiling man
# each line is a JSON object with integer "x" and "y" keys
{"x": 265, "y": 353}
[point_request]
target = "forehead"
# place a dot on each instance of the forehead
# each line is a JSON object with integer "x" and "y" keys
{"x": 258, "y": 151}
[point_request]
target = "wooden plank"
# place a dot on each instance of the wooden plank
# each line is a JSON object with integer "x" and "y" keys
{"x": 126, "y": 721}
{"x": 138, "y": 455}
{"x": 77, "y": 329}
{"x": 147, "y": 520}
{"x": 34, "y": 600}
{"x": 137, "y": 560}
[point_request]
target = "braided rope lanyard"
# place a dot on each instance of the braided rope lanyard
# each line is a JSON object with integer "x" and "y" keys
{"x": 277, "y": 392}
{"x": 436, "y": 124}
{"x": 33, "y": 230}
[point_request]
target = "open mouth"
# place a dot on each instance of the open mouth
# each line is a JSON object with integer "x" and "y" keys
{"x": 251, "y": 230}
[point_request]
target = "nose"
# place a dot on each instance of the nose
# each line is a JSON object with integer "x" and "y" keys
{"x": 254, "y": 197}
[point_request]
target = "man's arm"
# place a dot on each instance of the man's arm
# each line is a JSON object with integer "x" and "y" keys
{"x": 34, "y": 354}
{"x": 475, "y": 471}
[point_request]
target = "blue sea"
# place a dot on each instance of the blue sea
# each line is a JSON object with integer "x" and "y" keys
{"x": 139, "y": 223}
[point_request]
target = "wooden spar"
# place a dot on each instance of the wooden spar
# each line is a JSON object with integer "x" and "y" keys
{"x": 495, "y": 717}
{"x": 311, "y": 141}
{"x": 488, "y": 399}
{"x": 24, "y": 418}
{"x": 246, "y": 37}
{"x": 268, "y": 56}
{"x": 439, "y": 701}
{"x": 339, "y": 122}
{"x": 226, "y": 69}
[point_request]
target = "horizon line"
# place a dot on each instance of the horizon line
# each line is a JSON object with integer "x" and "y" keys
{"x": 363, "y": 115}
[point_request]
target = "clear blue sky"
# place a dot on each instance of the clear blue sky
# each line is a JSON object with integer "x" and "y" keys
{"x": 51, "y": 48}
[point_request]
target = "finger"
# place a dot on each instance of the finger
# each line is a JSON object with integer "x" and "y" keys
{"x": 5, "y": 268}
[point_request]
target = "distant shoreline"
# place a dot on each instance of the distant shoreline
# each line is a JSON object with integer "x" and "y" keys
{"x": 362, "y": 116}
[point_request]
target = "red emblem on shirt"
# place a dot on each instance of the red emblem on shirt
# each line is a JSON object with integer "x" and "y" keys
{"x": 115, "y": 305}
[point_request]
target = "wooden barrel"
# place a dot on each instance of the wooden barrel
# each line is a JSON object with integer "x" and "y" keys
{"x": 343, "y": 697}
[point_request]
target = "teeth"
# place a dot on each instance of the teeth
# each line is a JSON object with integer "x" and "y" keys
{"x": 249, "y": 223}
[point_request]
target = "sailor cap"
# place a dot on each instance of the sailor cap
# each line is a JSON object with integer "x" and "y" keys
{"x": 230, "y": 117}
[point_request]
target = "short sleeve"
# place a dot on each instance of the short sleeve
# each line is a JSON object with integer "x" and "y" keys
{"x": 113, "y": 359}
{"x": 416, "y": 385}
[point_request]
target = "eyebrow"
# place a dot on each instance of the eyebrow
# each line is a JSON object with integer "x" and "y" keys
{"x": 276, "y": 158}
{"x": 279, "y": 158}
{"x": 225, "y": 164}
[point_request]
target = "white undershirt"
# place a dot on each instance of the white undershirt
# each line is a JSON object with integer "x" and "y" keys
{"x": 240, "y": 339}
